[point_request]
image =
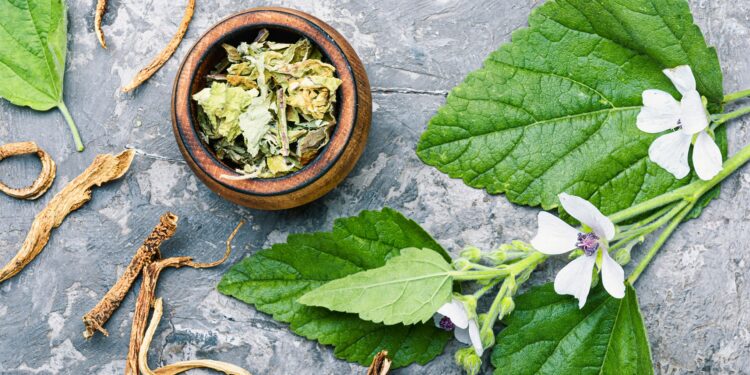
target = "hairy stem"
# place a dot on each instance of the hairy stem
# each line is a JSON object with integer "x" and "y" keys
{"x": 659, "y": 243}
{"x": 637, "y": 232}
{"x": 730, "y": 116}
{"x": 736, "y": 96}
{"x": 71, "y": 125}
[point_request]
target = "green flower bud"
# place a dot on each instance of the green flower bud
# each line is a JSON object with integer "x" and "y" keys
{"x": 506, "y": 306}
{"x": 462, "y": 264}
{"x": 488, "y": 338}
{"x": 469, "y": 360}
{"x": 522, "y": 246}
{"x": 472, "y": 253}
{"x": 622, "y": 256}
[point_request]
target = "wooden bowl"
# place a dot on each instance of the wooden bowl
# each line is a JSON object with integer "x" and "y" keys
{"x": 353, "y": 108}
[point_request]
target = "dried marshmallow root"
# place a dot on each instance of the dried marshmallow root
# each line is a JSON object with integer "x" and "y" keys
{"x": 95, "y": 319}
{"x": 45, "y": 179}
{"x": 381, "y": 364}
{"x": 101, "y": 7}
{"x": 179, "y": 367}
{"x": 103, "y": 169}
{"x": 166, "y": 53}
{"x": 146, "y": 298}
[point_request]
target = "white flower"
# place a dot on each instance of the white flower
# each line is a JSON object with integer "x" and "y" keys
{"x": 662, "y": 112}
{"x": 453, "y": 316}
{"x": 556, "y": 237}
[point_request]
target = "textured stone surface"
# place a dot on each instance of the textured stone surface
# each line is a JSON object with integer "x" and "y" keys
{"x": 695, "y": 295}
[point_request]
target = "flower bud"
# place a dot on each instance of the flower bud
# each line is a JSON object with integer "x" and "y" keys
{"x": 472, "y": 253}
{"x": 469, "y": 360}
{"x": 506, "y": 306}
{"x": 462, "y": 264}
{"x": 522, "y": 246}
{"x": 488, "y": 338}
{"x": 622, "y": 256}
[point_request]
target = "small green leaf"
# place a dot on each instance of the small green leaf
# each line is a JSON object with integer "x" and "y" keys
{"x": 408, "y": 289}
{"x": 272, "y": 280}
{"x": 555, "y": 110}
{"x": 548, "y": 334}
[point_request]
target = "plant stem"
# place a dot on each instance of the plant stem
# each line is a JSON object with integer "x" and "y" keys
{"x": 736, "y": 96}
{"x": 478, "y": 275}
{"x": 637, "y": 232}
{"x": 489, "y": 321}
{"x": 625, "y": 230}
{"x": 690, "y": 192}
{"x": 71, "y": 125}
{"x": 730, "y": 116}
{"x": 658, "y": 244}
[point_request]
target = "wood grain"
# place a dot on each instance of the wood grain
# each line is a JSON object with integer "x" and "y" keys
{"x": 347, "y": 141}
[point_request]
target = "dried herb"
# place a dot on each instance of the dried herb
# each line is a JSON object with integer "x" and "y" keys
{"x": 103, "y": 169}
{"x": 101, "y": 7}
{"x": 166, "y": 53}
{"x": 146, "y": 297}
{"x": 179, "y": 367}
{"x": 95, "y": 319}
{"x": 46, "y": 176}
{"x": 269, "y": 108}
{"x": 381, "y": 364}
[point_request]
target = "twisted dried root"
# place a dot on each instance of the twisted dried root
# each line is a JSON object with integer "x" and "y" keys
{"x": 95, "y": 319}
{"x": 46, "y": 176}
{"x": 103, "y": 169}
{"x": 146, "y": 300}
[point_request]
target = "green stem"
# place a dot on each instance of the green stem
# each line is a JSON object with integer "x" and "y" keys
{"x": 658, "y": 244}
{"x": 626, "y": 229}
{"x": 479, "y": 293}
{"x": 478, "y": 275}
{"x": 730, "y": 116}
{"x": 72, "y": 125}
{"x": 736, "y": 96}
{"x": 633, "y": 234}
{"x": 489, "y": 321}
{"x": 690, "y": 192}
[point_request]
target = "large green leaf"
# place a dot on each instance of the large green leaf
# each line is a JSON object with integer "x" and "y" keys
{"x": 33, "y": 45}
{"x": 408, "y": 289}
{"x": 548, "y": 334}
{"x": 273, "y": 279}
{"x": 554, "y": 110}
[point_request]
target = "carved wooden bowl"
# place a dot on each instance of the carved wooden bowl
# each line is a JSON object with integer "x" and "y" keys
{"x": 353, "y": 108}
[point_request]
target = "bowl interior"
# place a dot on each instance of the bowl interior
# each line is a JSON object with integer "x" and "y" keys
{"x": 216, "y": 54}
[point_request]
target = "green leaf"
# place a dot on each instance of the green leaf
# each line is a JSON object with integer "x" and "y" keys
{"x": 555, "y": 110}
{"x": 548, "y": 334}
{"x": 408, "y": 289}
{"x": 272, "y": 280}
{"x": 33, "y": 45}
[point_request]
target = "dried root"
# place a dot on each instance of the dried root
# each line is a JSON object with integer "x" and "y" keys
{"x": 103, "y": 169}
{"x": 146, "y": 298}
{"x": 45, "y": 179}
{"x": 381, "y": 364}
{"x": 166, "y": 53}
{"x": 101, "y": 7}
{"x": 179, "y": 367}
{"x": 95, "y": 319}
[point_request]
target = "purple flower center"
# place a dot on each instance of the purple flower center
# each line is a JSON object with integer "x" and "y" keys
{"x": 588, "y": 242}
{"x": 447, "y": 324}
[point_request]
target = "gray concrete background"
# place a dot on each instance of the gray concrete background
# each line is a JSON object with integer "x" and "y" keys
{"x": 695, "y": 296}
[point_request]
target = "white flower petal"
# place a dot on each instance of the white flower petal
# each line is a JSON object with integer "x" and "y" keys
{"x": 437, "y": 318}
{"x": 670, "y": 151}
{"x": 682, "y": 78}
{"x": 693, "y": 117}
{"x": 475, "y": 337}
{"x": 706, "y": 157}
{"x": 588, "y": 214}
{"x": 660, "y": 112}
{"x": 462, "y": 335}
{"x": 456, "y": 312}
{"x": 613, "y": 276}
{"x": 575, "y": 278}
{"x": 554, "y": 235}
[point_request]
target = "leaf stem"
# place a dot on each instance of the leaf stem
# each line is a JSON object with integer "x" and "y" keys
{"x": 736, "y": 96}
{"x": 659, "y": 243}
{"x": 637, "y": 232}
{"x": 71, "y": 125}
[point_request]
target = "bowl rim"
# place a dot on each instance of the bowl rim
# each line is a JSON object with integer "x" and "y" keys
{"x": 347, "y": 97}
